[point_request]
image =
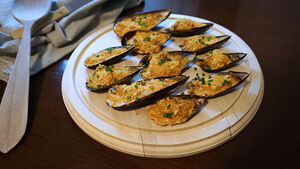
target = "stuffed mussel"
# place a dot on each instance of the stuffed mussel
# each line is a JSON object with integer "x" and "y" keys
{"x": 141, "y": 21}
{"x": 143, "y": 92}
{"x": 165, "y": 63}
{"x": 175, "y": 109}
{"x": 214, "y": 85}
{"x": 203, "y": 43}
{"x": 106, "y": 76}
{"x": 187, "y": 27}
{"x": 216, "y": 60}
{"x": 107, "y": 56}
{"x": 145, "y": 42}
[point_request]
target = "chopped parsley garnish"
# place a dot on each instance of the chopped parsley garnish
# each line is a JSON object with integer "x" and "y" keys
{"x": 228, "y": 55}
{"x": 208, "y": 38}
{"x": 115, "y": 80}
{"x": 225, "y": 82}
{"x": 199, "y": 40}
{"x": 112, "y": 66}
{"x": 203, "y": 74}
{"x": 182, "y": 93}
{"x": 134, "y": 40}
{"x": 108, "y": 69}
{"x": 203, "y": 43}
{"x": 98, "y": 76}
{"x": 110, "y": 50}
{"x": 161, "y": 61}
{"x": 133, "y": 19}
{"x": 196, "y": 42}
{"x": 140, "y": 23}
{"x": 145, "y": 24}
{"x": 209, "y": 84}
{"x": 143, "y": 83}
{"x": 208, "y": 67}
{"x": 210, "y": 51}
{"x": 145, "y": 64}
{"x": 97, "y": 56}
{"x": 202, "y": 37}
{"x": 144, "y": 16}
{"x": 147, "y": 38}
{"x": 169, "y": 105}
{"x": 136, "y": 86}
{"x": 168, "y": 115}
{"x": 137, "y": 98}
{"x": 168, "y": 59}
{"x": 152, "y": 87}
{"x": 202, "y": 80}
{"x": 210, "y": 80}
{"x": 195, "y": 68}
{"x": 99, "y": 85}
{"x": 128, "y": 97}
{"x": 181, "y": 46}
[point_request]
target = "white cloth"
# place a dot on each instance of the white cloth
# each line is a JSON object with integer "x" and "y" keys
{"x": 59, "y": 38}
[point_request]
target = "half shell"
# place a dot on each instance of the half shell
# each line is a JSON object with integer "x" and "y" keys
{"x": 193, "y": 41}
{"x": 90, "y": 83}
{"x": 145, "y": 42}
{"x": 142, "y": 96}
{"x": 114, "y": 55}
{"x": 140, "y": 21}
{"x": 175, "y": 109}
{"x": 240, "y": 77}
{"x": 195, "y": 28}
{"x": 160, "y": 62}
{"x": 234, "y": 58}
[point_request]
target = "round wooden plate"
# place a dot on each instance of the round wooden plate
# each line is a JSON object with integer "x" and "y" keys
{"x": 133, "y": 132}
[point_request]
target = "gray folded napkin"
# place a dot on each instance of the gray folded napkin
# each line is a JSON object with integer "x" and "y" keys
{"x": 58, "y": 38}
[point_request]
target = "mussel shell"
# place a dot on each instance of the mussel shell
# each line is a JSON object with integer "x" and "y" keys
{"x": 120, "y": 81}
{"x": 168, "y": 12}
{"x": 152, "y": 97}
{"x": 114, "y": 59}
{"x": 190, "y": 55}
{"x": 192, "y": 31}
{"x": 130, "y": 34}
{"x": 224, "y": 38}
{"x": 240, "y": 56}
{"x": 242, "y": 76}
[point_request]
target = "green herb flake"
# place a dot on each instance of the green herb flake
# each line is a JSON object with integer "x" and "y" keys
{"x": 128, "y": 97}
{"x": 181, "y": 46}
{"x": 99, "y": 85}
{"x": 110, "y": 50}
{"x": 203, "y": 43}
{"x": 228, "y": 55}
{"x": 168, "y": 59}
{"x": 144, "y": 16}
{"x": 168, "y": 115}
{"x": 208, "y": 38}
{"x": 137, "y": 98}
{"x": 97, "y": 56}
{"x": 136, "y": 86}
{"x": 182, "y": 93}
{"x": 143, "y": 83}
{"x": 169, "y": 106}
{"x": 202, "y": 80}
{"x": 108, "y": 69}
{"x": 203, "y": 74}
{"x": 210, "y": 80}
{"x": 115, "y": 80}
{"x": 225, "y": 82}
{"x": 133, "y": 19}
{"x": 210, "y": 51}
{"x": 161, "y": 61}
{"x": 145, "y": 24}
{"x": 152, "y": 87}
{"x": 208, "y": 67}
{"x": 140, "y": 23}
{"x": 195, "y": 68}
{"x": 145, "y": 64}
{"x": 147, "y": 38}
{"x": 199, "y": 40}
{"x": 112, "y": 66}
{"x": 209, "y": 84}
{"x": 202, "y": 37}
{"x": 196, "y": 42}
{"x": 134, "y": 40}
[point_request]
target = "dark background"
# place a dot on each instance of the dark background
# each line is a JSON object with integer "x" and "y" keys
{"x": 271, "y": 140}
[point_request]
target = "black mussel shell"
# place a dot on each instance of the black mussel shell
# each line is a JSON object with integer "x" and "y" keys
{"x": 144, "y": 62}
{"x": 242, "y": 76}
{"x": 130, "y": 34}
{"x": 224, "y": 38}
{"x": 192, "y": 31}
{"x": 166, "y": 11}
{"x": 114, "y": 59}
{"x": 238, "y": 57}
{"x": 120, "y": 81}
{"x": 141, "y": 102}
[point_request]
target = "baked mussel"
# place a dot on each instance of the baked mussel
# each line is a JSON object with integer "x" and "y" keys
{"x": 107, "y": 56}
{"x": 143, "y": 92}
{"x": 165, "y": 63}
{"x": 145, "y": 42}
{"x": 140, "y": 21}
{"x": 203, "y": 43}
{"x": 217, "y": 84}
{"x": 187, "y": 27}
{"x": 105, "y": 77}
{"x": 174, "y": 110}
{"x": 216, "y": 60}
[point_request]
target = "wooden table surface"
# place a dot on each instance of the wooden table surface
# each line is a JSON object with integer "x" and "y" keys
{"x": 271, "y": 140}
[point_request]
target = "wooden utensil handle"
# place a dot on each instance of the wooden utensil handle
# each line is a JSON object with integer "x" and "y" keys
{"x": 15, "y": 99}
{"x": 58, "y": 14}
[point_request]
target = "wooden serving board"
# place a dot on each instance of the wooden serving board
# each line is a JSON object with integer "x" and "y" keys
{"x": 133, "y": 132}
